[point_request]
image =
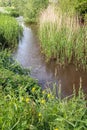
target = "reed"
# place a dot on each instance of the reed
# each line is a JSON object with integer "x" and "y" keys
{"x": 62, "y": 38}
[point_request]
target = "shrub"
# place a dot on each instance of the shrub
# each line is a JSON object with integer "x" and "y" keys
{"x": 31, "y": 9}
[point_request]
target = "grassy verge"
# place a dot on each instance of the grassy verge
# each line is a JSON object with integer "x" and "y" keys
{"x": 23, "y": 106}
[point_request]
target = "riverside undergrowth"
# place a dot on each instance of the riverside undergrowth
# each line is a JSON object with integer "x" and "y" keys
{"x": 10, "y": 31}
{"x": 62, "y": 37}
{"x": 24, "y": 106}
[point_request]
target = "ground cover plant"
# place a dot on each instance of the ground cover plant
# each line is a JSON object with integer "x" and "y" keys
{"x": 38, "y": 110}
{"x": 24, "y": 106}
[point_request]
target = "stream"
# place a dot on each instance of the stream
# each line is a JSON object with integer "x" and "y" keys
{"x": 28, "y": 54}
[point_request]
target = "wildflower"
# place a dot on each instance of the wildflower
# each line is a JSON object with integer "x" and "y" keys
{"x": 43, "y": 101}
{"x": 39, "y": 114}
{"x": 33, "y": 89}
{"x": 49, "y": 95}
{"x": 56, "y": 129}
{"x": 27, "y": 100}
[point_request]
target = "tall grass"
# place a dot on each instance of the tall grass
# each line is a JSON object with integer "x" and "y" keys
{"x": 33, "y": 109}
{"x": 9, "y": 31}
{"x": 24, "y": 106}
{"x": 62, "y": 38}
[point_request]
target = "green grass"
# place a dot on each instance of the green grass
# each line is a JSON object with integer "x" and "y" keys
{"x": 62, "y": 32}
{"x": 12, "y": 74}
{"x": 12, "y": 11}
{"x": 9, "y": 31}
{"x": 64, "y": 44}
{"x": 24, "y": 106}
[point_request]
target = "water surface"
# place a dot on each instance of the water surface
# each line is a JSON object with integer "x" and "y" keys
{"x": 28, "y": 54}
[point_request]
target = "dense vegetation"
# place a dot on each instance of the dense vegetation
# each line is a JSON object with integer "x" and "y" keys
{"x": 63, "y": 32}
{"x": 23, "y": 105}
{"x": 33, "y": 8}
{"x": 30, "y": 9}
{"x": 77, "y": 7}
{"x": 12, "y": 11}
{"x": 9, "y": 31}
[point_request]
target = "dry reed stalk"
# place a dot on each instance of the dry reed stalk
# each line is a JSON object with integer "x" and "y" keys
{"x": 50, "y": 15}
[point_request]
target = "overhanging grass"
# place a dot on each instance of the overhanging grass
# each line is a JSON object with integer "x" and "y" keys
{"x": 9, "y": 31}
{"x": 23, "y": 105}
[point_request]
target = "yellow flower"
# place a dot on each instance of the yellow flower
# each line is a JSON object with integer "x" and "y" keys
{"x": 27, "y": 100}
{"x": 33, "y": 89}
{"x": 43, "y": 101}
{"x": 56, "y": 129}
{"x": 49, "y": 95}
{"x": 39, "y": 114}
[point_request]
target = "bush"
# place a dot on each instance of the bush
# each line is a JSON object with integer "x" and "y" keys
{"x": 32, "y": 9}
{"x": 82, "y": 10}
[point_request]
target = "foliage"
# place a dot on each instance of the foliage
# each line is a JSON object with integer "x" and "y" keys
{"x": 62, "y": 38}
{"x": 5, "y": 3}
{"x": 9, "y": 31}
{"x": 12, "y": 74}
{"x": 12, "y": 11}
{"x": 64, "y": 44}
{"x": 74, "y": 7}
{"x": 20, "y": 111}
{"x": 30, "y": 9}
{"x": 82, "y": 10}
{"x": 34, "y": 8}
{"x": 24, "y": 106}
{"x": 9, "y": 63}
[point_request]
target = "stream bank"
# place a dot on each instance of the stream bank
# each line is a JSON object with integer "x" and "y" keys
{"x": 28, "y": 54}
